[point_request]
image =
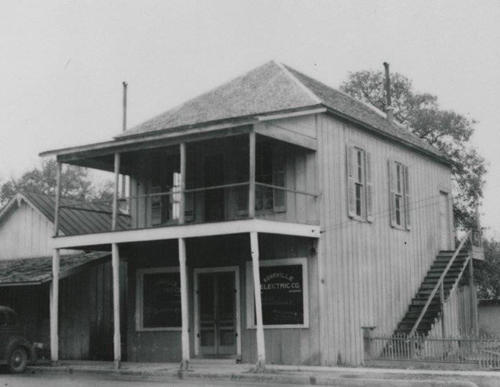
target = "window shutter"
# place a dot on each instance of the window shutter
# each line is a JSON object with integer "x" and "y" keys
{"x": 406, "y": 187}
{"x": 369, "y": 187}
{"x": 392, "y": 191}
{"x": 351, "y": 186}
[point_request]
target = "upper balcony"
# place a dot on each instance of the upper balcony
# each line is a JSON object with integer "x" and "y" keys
{"x": 208, "y": 181}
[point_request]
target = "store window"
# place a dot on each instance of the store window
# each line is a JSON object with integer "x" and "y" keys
{"x": 283, "y": 293}
{"x": 158, "y": 299}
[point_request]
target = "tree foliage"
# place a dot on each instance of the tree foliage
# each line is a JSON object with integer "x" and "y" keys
{"x": 75, "y": 183}
{"x": 487, "y": 272}
{"x": 445, "y": 129}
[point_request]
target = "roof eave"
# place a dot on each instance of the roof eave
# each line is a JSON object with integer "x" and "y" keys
{"x": 177, "y": 132}
{"x": 441, "y": 159}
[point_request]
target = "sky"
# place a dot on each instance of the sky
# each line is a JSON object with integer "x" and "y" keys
{"x": 62, "y": 62}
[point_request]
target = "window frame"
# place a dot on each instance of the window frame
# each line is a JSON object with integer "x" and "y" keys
{"x": 250, "y": 297}
{"x": 399, "y": 195}
{"x": 359, "y": 179}
{"x": 139, "y": 298}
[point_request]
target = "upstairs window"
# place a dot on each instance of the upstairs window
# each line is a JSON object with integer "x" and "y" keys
{"x": 359, "y": 186}
{"x": 399, "y": 195}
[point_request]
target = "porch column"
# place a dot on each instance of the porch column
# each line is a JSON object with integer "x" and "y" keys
{"x": 261, "y": 348}
{"x": 251, "y": 174}
{"x": 184, "y": 304}
{"x": 473, "y": 301}
{"x": 54, "y": 287}
{"x": 115, "y": 263}
{"x": 116, "y": 191}
{"x": 54, "y": 308}
{"x": 182, "y": 152}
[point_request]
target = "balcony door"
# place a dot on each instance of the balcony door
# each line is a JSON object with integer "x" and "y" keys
{"x": 214, "y": 175}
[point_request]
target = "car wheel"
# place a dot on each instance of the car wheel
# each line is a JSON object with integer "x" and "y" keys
{"x": 18, "y": 360}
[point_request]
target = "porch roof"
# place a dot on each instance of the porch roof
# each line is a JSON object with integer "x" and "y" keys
{"x": 36, "y": 271}
{"x": 267, "y": 90}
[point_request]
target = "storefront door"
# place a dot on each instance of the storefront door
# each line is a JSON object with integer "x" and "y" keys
{"x": 217, "y": 312}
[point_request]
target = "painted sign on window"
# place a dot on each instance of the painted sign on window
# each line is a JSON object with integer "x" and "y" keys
{"x": 162, "y": 300}
{"x": 282, "y": 295}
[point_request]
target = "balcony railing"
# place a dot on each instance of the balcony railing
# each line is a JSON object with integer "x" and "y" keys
{"x": 218, "y": 203}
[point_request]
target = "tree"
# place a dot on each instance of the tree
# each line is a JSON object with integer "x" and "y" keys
{"x": 74, "y": 183}
{"x": 487, "y": 272}
{"x": 447, "y": 130}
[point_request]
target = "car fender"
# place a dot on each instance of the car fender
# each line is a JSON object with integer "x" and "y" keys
{"x": 19, "y": 341}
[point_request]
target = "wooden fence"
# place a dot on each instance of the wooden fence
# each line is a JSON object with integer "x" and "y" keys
{"x": 482, "y": 351}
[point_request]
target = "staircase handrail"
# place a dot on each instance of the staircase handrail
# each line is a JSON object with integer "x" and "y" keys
{"x": 438, "y": 284}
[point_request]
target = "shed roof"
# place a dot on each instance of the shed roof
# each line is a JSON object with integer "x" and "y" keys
{"x": 33, "y": 271}
{"x": 82, "y": 217}
{"x": 270, "y": 88}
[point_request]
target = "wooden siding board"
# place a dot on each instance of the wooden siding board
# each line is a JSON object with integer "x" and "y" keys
{"x": 25, "y": 234}
{"x": 376, "y": 269}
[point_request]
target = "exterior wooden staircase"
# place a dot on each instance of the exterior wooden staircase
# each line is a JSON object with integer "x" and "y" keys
{"x": 427, "y": 305}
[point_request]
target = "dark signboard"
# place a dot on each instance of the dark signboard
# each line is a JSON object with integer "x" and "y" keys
{"x": 161, "y": 300}
{"x": 282, "y": 295}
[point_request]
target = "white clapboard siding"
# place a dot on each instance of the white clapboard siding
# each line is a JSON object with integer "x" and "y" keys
{"x": 370, "y": 272}
{"x": 25, "y": 233}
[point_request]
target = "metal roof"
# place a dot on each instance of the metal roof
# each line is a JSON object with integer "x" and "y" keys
{"x": 35, "y": 271}
{"x": 82, "y": 218}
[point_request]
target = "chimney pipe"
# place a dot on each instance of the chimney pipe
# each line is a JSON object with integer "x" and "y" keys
{"x": 123, "y": 190}
{"x": 124, "y": 124}
{"x": 389, "y": 109}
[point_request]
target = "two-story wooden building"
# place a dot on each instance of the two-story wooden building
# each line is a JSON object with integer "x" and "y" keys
{"x": 272, "y": 218}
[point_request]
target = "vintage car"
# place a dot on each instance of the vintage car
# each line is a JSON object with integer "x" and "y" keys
{"x": 15, "y": 350}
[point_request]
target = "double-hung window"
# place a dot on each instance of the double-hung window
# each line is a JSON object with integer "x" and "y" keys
{"x": 359, "y": 186}
{"x": 399, "y": 195}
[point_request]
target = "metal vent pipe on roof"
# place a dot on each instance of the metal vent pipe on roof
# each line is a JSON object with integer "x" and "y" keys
{"x": 389, "y": 110}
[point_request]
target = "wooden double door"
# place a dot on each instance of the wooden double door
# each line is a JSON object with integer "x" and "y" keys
{"x": 217, "y": 314}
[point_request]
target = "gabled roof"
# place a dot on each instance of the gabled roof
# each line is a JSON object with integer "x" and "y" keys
{"x": 34, "y": 271}
{"x": 273, "y": 88}
{"x": 82, "y": 218}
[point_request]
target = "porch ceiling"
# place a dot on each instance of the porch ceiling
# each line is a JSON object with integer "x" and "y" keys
{"x": 188, "y": 231}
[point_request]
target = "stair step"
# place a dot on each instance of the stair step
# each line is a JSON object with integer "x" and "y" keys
{"x": 434, "y": 280}
{"x": 438, "y": 274}
{"x": 426, "y": 285}
{"x": 443, "y": 265}
{"x": 416, "y": 314}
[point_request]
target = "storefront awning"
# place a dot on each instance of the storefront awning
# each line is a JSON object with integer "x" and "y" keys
{"x": 36, "y": 271}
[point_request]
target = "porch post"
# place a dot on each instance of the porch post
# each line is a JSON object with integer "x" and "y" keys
{"x": 54, "y": 308}
{"x": 473, "y": 301}
{"x": 182, "y": 150}
{"x": 184, "y": 304}
{"x": 57, "y": 199}
{"x": 115, "y": 263}
{"x": 114, "y": 218}
{"x": 251, "y": 174}
{"x": 54, "y": 286}
{"x": 261, "y": 349}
